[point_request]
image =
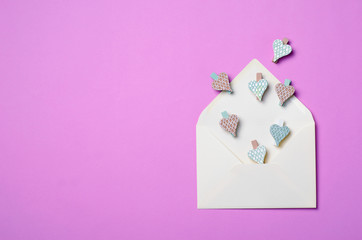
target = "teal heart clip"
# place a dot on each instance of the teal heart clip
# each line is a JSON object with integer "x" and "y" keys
{"x": 258, "y": 87}
{"x": 257, "y": 154}
{"x": 279, "y": 132}
{"x": 281, "y": 49}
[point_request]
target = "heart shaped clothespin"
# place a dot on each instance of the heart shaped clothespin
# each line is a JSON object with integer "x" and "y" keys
{"x": 281, "y": 49}
{"x": 229, "y": 123}
{"x": 284, "y": 91}
{"x": 258, "y": 152}
{"x": 259, "y": 86}
{"x": 279, "y": 132}
{"x": 221, "y": 82}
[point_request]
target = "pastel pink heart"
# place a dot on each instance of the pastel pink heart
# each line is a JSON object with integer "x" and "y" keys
{"x": 284, "y": 92}
{"x": 230, "y": 124}
{"x": 222, "y": 83}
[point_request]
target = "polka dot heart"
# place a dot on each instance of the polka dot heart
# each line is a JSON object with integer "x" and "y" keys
{"x": 279, "y": 133}
{"x": 258, "y": 87}
{"x": 284, "y": 92}
{"x": 221, "y": 82}
{"x": 230, "y": 124}
{"x": 280, "y": 49}
{"x": 258, "y": 154}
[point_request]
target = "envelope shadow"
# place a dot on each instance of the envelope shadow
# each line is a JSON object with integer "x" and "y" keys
{"x": 266, "y": 160}
{"x": 286, "y": 139}
{"x": 238, "y": 129}
{"x": 316, "y": 161}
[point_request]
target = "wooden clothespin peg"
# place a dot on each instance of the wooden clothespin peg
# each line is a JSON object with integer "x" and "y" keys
{"x": 258, "y": 77}
{"x": 255, "y": 144}
{"x": 285, "y": 41}
{"x": 280, "y": 122}
{"x": 225, "y": 114}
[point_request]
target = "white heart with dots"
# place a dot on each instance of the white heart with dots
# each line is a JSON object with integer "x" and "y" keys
{"x": 280, "y": 49}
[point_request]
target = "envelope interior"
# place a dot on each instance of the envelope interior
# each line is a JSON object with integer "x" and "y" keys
{"x": 255, "y": 117}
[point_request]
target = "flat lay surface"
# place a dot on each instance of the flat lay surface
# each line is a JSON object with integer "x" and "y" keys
{"x": 99, "y": 102}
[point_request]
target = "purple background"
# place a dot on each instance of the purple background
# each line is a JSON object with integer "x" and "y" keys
{"x": 99, "y": 101}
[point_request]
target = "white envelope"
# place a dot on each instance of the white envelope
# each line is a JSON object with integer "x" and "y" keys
{"x": 227, "y": 178}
